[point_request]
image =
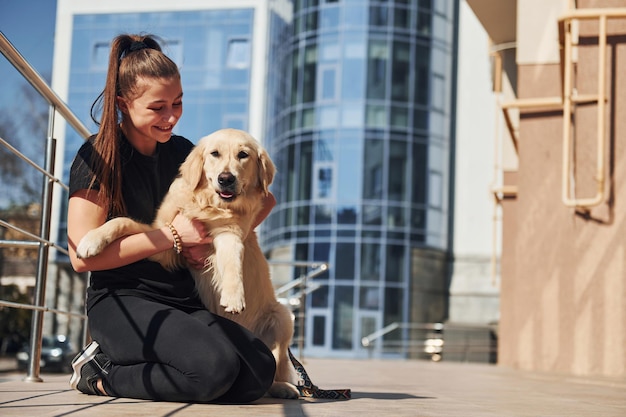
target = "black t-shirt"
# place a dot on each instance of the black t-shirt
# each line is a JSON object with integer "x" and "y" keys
{"x": 145, "y": 181}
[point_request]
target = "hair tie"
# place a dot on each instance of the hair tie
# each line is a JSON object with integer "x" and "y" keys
{"x": 137, "y": 45}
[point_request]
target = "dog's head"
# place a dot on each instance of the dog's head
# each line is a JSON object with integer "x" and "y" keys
{"x": 227, "y": 165}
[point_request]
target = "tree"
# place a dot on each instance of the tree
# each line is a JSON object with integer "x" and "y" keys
{"x": 25, "y": 128}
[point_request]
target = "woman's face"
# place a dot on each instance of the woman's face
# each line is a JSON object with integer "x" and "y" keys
{"x": 150, "y": 117}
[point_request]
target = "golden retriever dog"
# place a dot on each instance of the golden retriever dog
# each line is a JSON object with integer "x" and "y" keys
{"x": 222, "y": 183}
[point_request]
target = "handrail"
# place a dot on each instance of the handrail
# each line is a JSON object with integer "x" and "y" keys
{"x": 33, "y": 164}
{"x": 33, "y": 77}
{"x": 43, "y": 240}
{"x": 569, "y": 98}
{"x": 566, "y": 45}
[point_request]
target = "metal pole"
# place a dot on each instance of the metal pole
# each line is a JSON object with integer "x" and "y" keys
{"x": 42, "y": 262}
{"x": 303, "y": 317}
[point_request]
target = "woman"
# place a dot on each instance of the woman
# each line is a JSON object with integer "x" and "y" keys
{"x": 153, "y": 338}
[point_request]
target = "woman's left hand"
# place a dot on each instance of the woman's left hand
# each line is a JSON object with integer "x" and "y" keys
{"x": 196, "y": 255}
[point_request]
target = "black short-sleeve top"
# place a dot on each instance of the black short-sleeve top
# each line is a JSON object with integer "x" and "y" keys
{"x": 145, "y": 181}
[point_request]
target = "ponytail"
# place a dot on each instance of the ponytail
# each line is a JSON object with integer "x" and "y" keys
{"x": 131, "y": 57}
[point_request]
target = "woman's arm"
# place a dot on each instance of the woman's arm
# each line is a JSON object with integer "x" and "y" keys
{"x": 269, "y": 201}
{"x": 84, "y": 214}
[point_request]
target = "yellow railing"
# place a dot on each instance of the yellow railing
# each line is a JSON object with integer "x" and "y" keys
{"x": 570, "y": 98}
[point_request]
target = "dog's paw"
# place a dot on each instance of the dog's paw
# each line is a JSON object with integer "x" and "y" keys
{"x": 283, "y": 390}
{"x": 90, "y": 245}
{"x": 232, "y": 303}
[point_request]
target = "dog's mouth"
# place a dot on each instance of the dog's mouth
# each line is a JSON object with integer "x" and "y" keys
{"x": 227, "y": 184}
{"x": 227, "y": 195}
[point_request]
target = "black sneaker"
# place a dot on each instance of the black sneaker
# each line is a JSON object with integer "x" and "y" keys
{"x": 89, "y": 366}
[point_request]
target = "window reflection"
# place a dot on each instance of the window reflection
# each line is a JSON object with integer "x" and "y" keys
{"x": 350, "y": 167}
{"x": 400, "y": 75}
{"x": 369, "y": 298}
{"x": 319, "y": 297}
{"x": 397, "y": 171}
{"x": 344, "y": 260}
{"x": 310, "y": 70}
{"x": 373, "y": 169}
{"x": 343, "y": 317}
{"x": 370, "y": 261}
{"x": 238, "y": 55}
{"x": 395, "y": 261}
{"x": 378, "y": 55}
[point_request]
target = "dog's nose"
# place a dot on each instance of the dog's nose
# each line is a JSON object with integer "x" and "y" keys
{"x": 225, "y": 179}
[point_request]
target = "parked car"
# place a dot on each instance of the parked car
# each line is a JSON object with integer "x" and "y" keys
{"x": 56, "y": 355}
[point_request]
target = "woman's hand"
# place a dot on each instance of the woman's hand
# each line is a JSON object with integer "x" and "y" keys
{"x": 269, "y": 201}
{"x": 191, "y": 232}
{"x": 196, "y": 255}
{"x": 196, "y": 240}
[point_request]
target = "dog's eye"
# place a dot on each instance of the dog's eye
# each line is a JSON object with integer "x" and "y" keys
{"x": 242, "y": 155}
{"x": 215, "y": 154}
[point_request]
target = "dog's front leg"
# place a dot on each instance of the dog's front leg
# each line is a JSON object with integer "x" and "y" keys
{"x": 228, "y": 267}
{"x": 99, "y": 238}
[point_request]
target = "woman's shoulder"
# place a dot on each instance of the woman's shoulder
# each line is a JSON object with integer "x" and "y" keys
{"x": 181, "y": 141}
{"x": 179, "y": 146}
{"x": 83, "y": 155}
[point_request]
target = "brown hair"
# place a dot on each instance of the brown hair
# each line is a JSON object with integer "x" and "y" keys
{"x": 131, "y": 57}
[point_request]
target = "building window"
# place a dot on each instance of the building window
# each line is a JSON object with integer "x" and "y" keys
{"x": 370, "y": 262}
{"x": 310, "y": 68}
{"x": 344, "y": 261}
{"x": 395, "y": 263}
{"x": 319, "y": 331}
{"x": 369, "y": 298}
{"x": 323, "y": 180}
{"x": 397, "y": 171}
{"x": 238, "y": 55}
{"x": 377, "y": 69}
{"x": 401, "y": 71}
{"x": 328, "y": 83}
{"x": 100, "y": 58}
{"x": 343, "y": 316}
{"x": 373, "y": 167}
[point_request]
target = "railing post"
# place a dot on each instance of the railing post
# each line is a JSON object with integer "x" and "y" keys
{"x": 42, "y": 261}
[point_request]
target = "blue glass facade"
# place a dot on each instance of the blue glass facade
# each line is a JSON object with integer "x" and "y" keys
{"x": 213, "y": 49}
{"x": 360, "y": 105}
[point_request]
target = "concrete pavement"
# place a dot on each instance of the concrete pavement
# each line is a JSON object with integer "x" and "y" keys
{"x": 379, "y": 388}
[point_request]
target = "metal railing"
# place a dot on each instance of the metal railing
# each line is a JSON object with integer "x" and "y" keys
{"x": 297, "y": 300}
{"x": 436, "y": 341}
{"x": 42, "y": 241}
{"x": 568, "y": 29}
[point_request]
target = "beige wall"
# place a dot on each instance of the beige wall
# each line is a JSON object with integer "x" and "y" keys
{"x": 563, "y": 294}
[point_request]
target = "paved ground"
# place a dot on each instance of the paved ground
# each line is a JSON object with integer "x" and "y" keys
{"x": 379, "y": 388}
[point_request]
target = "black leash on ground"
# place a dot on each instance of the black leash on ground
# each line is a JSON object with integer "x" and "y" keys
{"x": 308, "y": 389}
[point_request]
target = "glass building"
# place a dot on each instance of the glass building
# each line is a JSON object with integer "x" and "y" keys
{"x": 354, "y": 101}
{"x": 359, "y": 125}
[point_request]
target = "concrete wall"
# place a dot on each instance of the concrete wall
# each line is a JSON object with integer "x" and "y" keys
{"x": 474, "y": 292}
{"x": 563, "y": 293}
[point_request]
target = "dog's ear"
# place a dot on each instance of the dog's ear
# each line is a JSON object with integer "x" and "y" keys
{"x": 192, "y": 170}
{"x": 266, "y": 171}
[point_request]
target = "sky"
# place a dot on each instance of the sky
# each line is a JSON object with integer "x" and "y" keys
{"x": 29, "y": 26}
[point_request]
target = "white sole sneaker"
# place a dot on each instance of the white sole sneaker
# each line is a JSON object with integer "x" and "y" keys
{"x": 82, "y": 358}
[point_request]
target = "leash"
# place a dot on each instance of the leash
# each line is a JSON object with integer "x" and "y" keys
{"x": 308, "y": 389}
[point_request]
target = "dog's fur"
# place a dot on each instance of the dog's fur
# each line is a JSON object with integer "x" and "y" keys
{"x": 222, "y": 183}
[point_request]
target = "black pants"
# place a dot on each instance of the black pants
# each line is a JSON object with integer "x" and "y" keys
{"x": 162, "y": 353}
